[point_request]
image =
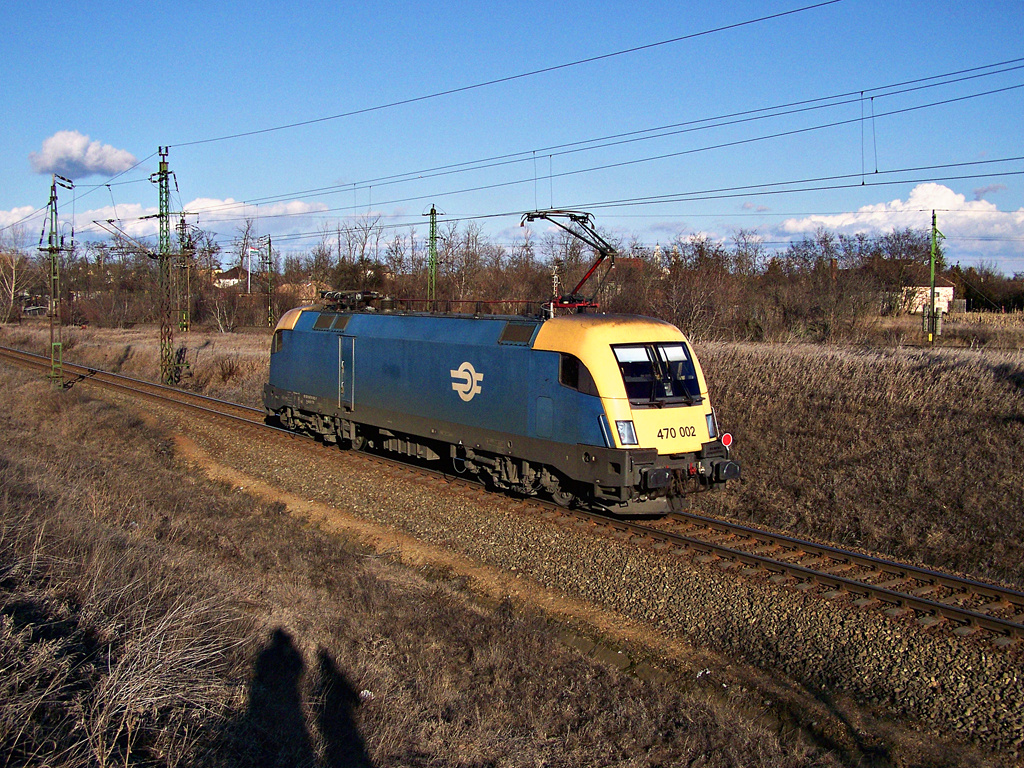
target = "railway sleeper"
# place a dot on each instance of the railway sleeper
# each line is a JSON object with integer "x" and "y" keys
{"x": 993, "y": 607}
{"x": 839, "y": 568}
{"x": 895, "y": 583}
{"x": 813, "y": 561}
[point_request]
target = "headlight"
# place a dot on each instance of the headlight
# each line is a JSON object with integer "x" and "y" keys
{"x": 627, "y": 433}
{"x": 712, "y": 432}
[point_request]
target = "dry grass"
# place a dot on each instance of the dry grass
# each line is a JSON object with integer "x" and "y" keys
{"x": 109, "y": 657}
{"x": 1013, "y": 319}
{"x": 910, "y": 452}
{"x": 973, "y": 330}
{"x": 232, "y": 366}
{"x": 150, "y": 617}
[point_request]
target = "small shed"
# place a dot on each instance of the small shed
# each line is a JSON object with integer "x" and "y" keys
{"x": 917, "y": 297}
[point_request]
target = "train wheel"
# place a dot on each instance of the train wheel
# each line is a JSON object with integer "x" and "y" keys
{"x": 562, "y": 496}
{"x": 358, "y": 442}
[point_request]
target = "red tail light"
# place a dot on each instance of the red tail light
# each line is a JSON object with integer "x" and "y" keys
{"x": 727, "y": 440}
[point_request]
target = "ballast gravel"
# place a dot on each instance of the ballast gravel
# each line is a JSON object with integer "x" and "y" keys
{"x": 964, "y": 688}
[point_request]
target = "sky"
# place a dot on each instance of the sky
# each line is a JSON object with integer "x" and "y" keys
{"x": 662, "y": 119}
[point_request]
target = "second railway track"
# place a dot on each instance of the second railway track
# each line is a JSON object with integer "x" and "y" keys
{"x": 934, "y": 597}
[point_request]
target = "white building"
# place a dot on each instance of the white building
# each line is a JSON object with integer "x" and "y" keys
{"x": 917, "y": 297}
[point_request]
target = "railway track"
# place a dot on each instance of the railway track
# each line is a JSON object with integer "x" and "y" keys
{"x": 75, "y": 374}
{"x": 932, "y": 597}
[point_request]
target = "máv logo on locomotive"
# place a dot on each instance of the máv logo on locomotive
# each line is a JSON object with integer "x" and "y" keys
{"x": 466, "y": 381}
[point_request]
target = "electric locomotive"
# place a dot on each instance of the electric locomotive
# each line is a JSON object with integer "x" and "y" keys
{"x": 610, "y": 411}
{"x": 606, "y": 410}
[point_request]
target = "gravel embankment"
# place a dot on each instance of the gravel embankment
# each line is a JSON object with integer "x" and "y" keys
{"x": 853, "y": 660}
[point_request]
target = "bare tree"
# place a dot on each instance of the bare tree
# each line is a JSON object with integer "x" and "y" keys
{"x": 320, "y": 256}
{"x": 244, "y": 239}
{"x": 748, "y": 252}
{"x": 359, "y": 244}
{"x": 15, "y": 272}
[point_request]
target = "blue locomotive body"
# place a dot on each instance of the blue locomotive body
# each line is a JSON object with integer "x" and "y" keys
{"x": 387, "y": 370}
{"x": 513, "y": 400}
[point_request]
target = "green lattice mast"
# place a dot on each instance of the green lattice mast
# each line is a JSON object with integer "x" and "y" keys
{"x": 167, "y": 368}
{"x": 432, "y": 259}
{"x": 53, "y": 248}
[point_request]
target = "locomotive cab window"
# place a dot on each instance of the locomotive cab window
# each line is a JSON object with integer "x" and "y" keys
{"x": 277, "y": 342}
{"x": 573, "y": 373}
{"x": 658, "y": 374}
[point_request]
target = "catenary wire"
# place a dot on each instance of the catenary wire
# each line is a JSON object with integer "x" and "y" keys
{"x": 665, "y": 156}
{"x": 970, "y": 73}
{"x": 509, "y": 78}
{"x": 823, "y": 183}
{"x": 633, "y": 136}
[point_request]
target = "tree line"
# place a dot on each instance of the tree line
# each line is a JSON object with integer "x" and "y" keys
{"x": 821, "y": 287}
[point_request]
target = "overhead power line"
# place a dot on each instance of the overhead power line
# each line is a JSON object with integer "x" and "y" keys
{"x": 779, "y": 110}
{"x": 509, "y": 78}
{"x": 663, "y": 131}
{"x": 636, "y": 161}
{"x": 822, "y": 183}
{"x": 819, "y": 184}
{"x": 768, "y": 189}
{"x": 588, "y": 60}
{"x": 23, "y": 219}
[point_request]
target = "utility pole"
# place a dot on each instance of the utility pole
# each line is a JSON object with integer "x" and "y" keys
{"x": 270, "y": 283}
{"x": 169, "y": 372}
{"x": 267, "y": 263}
{"x": 55, "y": 244}
{"x": 432, "y": 259}
{"x": 932, "y": 323}
{"x": 183, "y": 276}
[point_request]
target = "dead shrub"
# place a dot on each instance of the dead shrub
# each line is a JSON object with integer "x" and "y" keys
{"x": 227, "y": 368}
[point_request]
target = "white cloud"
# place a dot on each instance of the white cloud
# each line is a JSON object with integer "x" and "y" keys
{"x": 128, "y": 217}
{"x": 914, "y": 212}
{"x": 224, "y": 215}
{"x": 17, "y": 218}
{"x": 974, "y": 229}
{"x": 74, "y": 155}
{"x": 286, "y": 211}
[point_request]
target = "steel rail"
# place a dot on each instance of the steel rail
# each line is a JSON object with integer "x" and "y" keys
{"x": 132, "y": 384}
{"x": 893, "y": 567}
{"x": 967, "y": 616}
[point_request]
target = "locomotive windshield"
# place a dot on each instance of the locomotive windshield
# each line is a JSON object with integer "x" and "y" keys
{"x": 657, "y": 374}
